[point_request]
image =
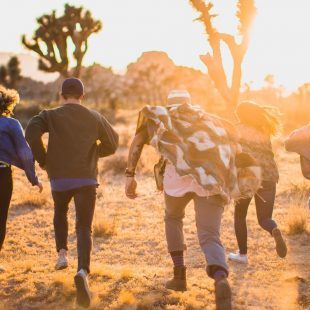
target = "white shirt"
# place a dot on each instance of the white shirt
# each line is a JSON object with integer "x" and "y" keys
{"x": 177, "y": 186}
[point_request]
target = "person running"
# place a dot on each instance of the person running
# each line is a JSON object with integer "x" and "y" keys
{"x": 257, "y": 124}
{"x": 14, "y": 151}
{"x": 197, "y": 165}
{"x": 298, "y": 142}
{"x": 78, "y": 136}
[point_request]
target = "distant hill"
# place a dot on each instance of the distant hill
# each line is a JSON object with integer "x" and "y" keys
{"x": 29, "y": 66}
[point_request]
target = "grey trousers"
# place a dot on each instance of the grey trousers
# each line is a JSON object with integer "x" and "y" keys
{"x": 208, "y": 213}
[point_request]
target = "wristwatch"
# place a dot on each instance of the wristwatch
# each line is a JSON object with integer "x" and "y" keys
{"x": 129, "y": 173}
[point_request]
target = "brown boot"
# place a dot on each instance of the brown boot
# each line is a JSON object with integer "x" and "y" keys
{"x": 222, "y": 294}
{"x": 280, "y": 243}
{"x": 178, "y": 283}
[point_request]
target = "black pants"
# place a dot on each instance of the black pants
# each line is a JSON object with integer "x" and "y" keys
{"x": 6, "y": 189}
{"x": 264, "y": 202}
{"x": 84, "y": 200}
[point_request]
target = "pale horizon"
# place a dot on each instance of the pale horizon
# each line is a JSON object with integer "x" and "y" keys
{"x": 133, "y": 27}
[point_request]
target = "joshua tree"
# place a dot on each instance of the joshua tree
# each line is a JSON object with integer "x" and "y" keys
{"x": 11, "y": 73}
{"x": 50, "y": 40}
{"x": 246, "y": 12}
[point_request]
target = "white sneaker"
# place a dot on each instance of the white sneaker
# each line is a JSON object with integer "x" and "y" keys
{"x": 62, "y": 261}
{"x": 83, "y": 296}
{"x": 239, "y": 258}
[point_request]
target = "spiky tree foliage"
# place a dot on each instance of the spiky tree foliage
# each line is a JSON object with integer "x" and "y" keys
{"x": 246, "y": 12}
{"x": 50, "y": 40}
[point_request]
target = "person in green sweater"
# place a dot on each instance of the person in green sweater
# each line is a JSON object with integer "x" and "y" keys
{"x": 78, "y": 136}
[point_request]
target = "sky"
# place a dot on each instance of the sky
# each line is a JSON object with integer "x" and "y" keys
{"x": 280, "y": 43}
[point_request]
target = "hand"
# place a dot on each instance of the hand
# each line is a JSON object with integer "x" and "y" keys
{"x": 40, "y": 187}
{"x": 131, "y": 187}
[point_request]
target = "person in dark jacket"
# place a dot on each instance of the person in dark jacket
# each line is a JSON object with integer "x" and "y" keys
{"x": 77, "y": 138}
{"x": 257, "y": 125}
{"x": 14, "y": 151}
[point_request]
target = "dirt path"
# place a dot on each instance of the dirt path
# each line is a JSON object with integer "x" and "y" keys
{"x": 130, "y": 265}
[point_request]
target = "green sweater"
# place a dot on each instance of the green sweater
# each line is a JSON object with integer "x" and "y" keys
{"x": 77, "y": 138}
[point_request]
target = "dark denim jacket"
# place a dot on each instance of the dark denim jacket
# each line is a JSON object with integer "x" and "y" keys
{"x": 14, "y": 149}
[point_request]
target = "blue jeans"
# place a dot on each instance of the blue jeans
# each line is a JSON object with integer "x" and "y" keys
{"x": 264, "y": 202}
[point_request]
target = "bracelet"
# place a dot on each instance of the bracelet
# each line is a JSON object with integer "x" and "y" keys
{"x": 129, "y": 173}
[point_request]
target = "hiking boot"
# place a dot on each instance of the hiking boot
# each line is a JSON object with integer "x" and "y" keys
{"x": 178, "y": 283}
{"x": 62, "y": 261}
{"x": 239, "y": 258}
{"x": 222, "y": 294}
{"x": 280, "y": 243}
{"x": 83, "y": 297}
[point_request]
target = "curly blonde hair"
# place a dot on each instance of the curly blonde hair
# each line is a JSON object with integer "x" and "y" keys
{"x": 264, "y": 118}
{"x": 9, "y": 98}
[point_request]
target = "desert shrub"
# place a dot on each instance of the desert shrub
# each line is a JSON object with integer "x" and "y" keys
{"x": 115, "y": 164}
{"x": 125, "y": 139}
{"x": 25, "y": 112}
{"x": 104, "y": 228}
{"x": 297, "y": 221}
{"x": 64, "y": 285}
{"x": 33, "y": 200}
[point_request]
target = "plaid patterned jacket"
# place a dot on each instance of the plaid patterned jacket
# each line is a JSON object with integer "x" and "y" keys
{"x": 202, "y": 145}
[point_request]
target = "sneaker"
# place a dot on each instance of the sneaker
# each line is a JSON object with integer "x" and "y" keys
{"x": 222, "y": 294}
{"x": 239, "y": 258}
{"x": 62, "y": 261}
{"x": 178, "y": 282}
{"x": 82, "y": 290}
{"x": 280, "y": 243}
{"x": 2, "y": 269}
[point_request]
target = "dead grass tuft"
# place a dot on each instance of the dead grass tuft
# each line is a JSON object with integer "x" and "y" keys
{"x": 126, "y": 274}
{"x": 115, "y": 164}
{"x": 65, "y": 283}
{"x": 32, "y": 200}
{"x": 297, "y": 221}
{"x": 104, "y": 228}
{"x": 127, "y": 300}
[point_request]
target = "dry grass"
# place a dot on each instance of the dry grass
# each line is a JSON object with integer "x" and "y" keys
{"x": 115, "y": 165}
{"x": 34, "y": 200}
{"x": 297, "y": 222}
{"x": 126, "y": 274}
{"x": 104, "y": 228}
{"x": 130, "y": 263}
{"x": 127, "y": 300}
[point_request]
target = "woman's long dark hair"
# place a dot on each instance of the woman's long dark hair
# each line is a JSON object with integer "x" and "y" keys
{"x": 9, "y": 98}
{"x": 266, "y": 119}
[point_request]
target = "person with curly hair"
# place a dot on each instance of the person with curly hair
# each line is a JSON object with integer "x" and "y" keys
{"x": 14, "y": 151}
{"x": 257, "y": 124}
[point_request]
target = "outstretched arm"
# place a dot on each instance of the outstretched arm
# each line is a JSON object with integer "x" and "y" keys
{"x": 34, "y": 131}
{"x": 25, "y": 155}
{"x": 134, "y": 155}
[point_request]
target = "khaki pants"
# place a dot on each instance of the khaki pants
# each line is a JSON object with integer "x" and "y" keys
{"x": 208, "y": 213}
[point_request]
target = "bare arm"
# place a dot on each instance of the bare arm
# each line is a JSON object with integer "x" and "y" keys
{"x": 134, "y": 155}
{"x": 135, "y": 150}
